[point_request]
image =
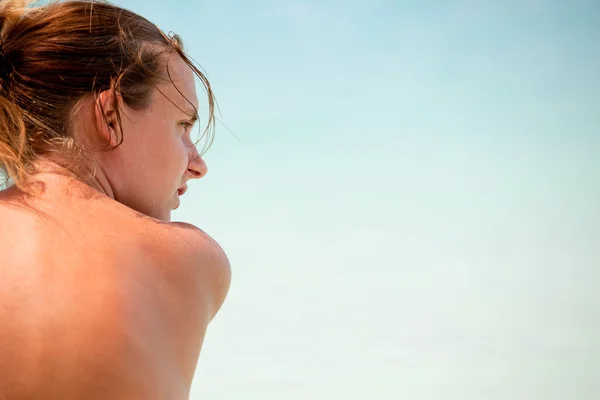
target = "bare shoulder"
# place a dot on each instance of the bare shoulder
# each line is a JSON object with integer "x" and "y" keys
{"x": 184, "y": 255}
{"x": 186, "y": 252}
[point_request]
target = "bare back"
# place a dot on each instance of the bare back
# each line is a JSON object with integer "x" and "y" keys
{"x": 98, "y": 301}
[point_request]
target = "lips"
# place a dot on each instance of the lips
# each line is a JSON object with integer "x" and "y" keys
{"x": 181, "y": 190}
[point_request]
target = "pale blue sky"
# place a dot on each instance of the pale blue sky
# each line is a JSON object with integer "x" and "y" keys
{"x": 413, "y": 211}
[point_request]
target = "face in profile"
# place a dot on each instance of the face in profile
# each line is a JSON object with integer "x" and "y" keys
{"x": 150, "y": 169}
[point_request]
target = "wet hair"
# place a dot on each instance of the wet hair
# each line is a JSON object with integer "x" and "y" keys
{"x": 53, "y": 57}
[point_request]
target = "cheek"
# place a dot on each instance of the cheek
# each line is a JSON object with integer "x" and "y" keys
{"x": 171, "y": 146}
{"x": 182, "y": 155}
{"x": 176, "y": 157}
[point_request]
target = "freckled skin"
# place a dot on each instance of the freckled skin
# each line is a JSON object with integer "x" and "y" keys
{"x": 101, "y": 297}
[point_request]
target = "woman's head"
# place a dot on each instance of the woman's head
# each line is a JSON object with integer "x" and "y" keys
{"x": 93, "y": 86}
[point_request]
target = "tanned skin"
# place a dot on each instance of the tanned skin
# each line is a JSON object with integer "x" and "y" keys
{"x": 101, "y": 296}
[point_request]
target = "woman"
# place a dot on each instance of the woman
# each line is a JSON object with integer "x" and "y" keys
{"x": 101, "y": 297}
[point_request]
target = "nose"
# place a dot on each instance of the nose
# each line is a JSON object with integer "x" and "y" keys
{"x": 196, "y": 167}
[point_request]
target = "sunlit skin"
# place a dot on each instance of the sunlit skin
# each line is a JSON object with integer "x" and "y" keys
{"x": 158, "y": 157}
{"x": 101, "y": 297}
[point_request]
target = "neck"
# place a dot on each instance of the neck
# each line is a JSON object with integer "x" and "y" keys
{"x": 47, "y": 167}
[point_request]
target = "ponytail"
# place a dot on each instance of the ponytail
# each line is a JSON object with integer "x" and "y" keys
{"x": 14, "y": 150}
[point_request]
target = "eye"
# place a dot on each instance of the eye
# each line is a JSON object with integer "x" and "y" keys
{"x": 186, "y": 125}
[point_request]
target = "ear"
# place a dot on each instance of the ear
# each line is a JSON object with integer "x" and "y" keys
{"x": 105, "y": 113}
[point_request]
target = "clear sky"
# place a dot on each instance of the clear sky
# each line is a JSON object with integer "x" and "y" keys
{"x": 412, "y": 210}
